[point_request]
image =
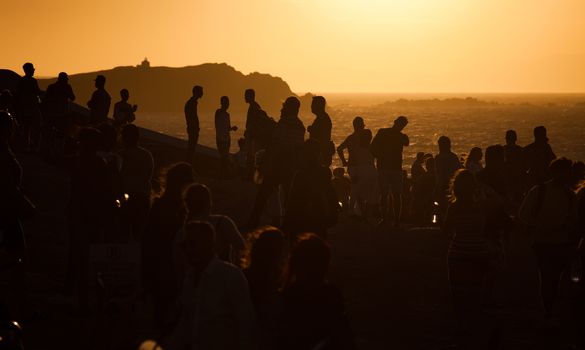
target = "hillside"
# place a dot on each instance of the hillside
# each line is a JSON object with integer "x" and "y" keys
{"x": 165, "y": 89}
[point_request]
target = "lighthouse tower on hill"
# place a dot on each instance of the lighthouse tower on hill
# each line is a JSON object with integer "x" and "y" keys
{"x": 144, "y": 64}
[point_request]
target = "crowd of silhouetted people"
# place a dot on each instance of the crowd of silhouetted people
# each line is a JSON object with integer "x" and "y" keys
{"x": 213, "y": 286}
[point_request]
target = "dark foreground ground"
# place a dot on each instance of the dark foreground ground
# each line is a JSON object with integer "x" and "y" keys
{"x": 395, "y": 282}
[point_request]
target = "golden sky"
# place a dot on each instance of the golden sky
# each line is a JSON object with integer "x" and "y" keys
{"x": 315, "y": 45}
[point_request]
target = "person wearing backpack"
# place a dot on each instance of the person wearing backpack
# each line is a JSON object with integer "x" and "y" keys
{"x": 550, "y": 210}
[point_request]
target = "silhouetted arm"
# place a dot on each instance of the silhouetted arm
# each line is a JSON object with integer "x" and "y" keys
{"x": 340, "y": 150}
{"x": 70, "y": 93}
{"x": 405, "y": 140}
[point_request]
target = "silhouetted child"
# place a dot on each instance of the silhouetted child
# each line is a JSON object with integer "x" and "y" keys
{"x": 417, "y": 169}
{"x": 123, "y": 111}
{"x": 342, "y": 186}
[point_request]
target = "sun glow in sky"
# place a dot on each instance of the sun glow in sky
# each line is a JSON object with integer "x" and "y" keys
{"x": 315, "y": 45}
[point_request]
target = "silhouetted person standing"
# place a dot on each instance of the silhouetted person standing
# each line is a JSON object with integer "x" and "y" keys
{"x": 215, "y": 307}
{"x": 387, "y": 148}
{"x": 124, "y": 111}
{"x": 320, "y": 130}
{"x": 514, "y": 163}
{"x": 192, "y": 120}
{"x": 314, "y": 314}
{"x": 259, "y": 129}
{"x": 446, "y": 164}
{"x": 351, "y": 143}
{"x": 56, "y": 101}
{"x": 222, "y": 134}
{"x": 90, "y": 203}
{"x": 99, "y": 104}
{"x": 537, "y": 157}
{"x": 312, "y": 204}
{"x": 136, "y": 173}
{"x": 282, "y": 156}
{"x": 165, "y": 219}
{"x": 28, "y": 109}
{"x": 550, "y": 209}
{"x": 468, "y": 255}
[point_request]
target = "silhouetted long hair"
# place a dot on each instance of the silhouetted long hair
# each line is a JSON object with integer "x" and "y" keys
{"x": 174, "y": 179}
{"x": 463, "y": 186}
{"x": 309, "y": 261}
{"x": 264, "y": 256}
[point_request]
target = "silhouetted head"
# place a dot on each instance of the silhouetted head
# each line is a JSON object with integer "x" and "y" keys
{"x": 561, "y": 170}
{"x": 463, "y": 186}
{"x": 290, "y": 107}
{"x": 311, "y": 153}
{"x": 318, "y": 105}
{"x": 495, "y": 157}
{"x": 100, "y": 81}
{"x": 366, "y": 138}
{"x": 540, "y": 134}
{"x": 400, "y": 122}
{"x": 197, "y": 199}
{"x": 197, "y": 91}
{"x": 430, "y": 164}
{"x": 109, "y": 137}
{"x": 198, "y": 243}
{"x": 444, "y": 144}
{"x": 250, "y": 95}
{"x": 90, "y": 140}
{"x": 420, "y": 157}
{"x": 475, "y": 154}
{"x": 338, "y": 172}
{"x": 309, "y": 261}
{"x": 177, "y": 177}
{"x": 29, "y": 69}
{"x": 130, "y": 135}
{"x": 7, "y": 128}
{"x": 63, "y": 78}
{"x": 124, "y": 94}
{"x": 358, "y": 124}
{"x": 266, "y": 252}
{"x": 225, "y": 102}
{"x": 511, "y": 137}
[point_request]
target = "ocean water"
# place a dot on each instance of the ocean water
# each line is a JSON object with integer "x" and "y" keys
{"x": 469, "y": 120}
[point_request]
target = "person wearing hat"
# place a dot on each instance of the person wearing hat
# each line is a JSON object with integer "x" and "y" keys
{"x": 99, "y": 104}
{"x": 387, "y": 147}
